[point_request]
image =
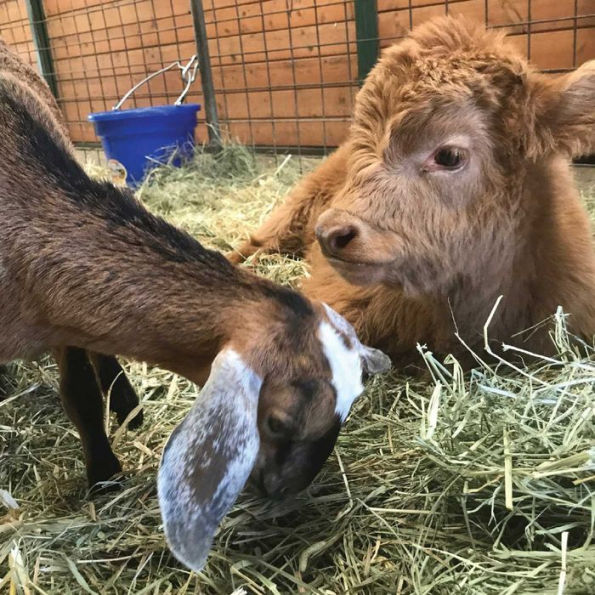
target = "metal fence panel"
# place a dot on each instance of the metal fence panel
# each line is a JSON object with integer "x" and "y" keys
{"x": 285, "y": 72}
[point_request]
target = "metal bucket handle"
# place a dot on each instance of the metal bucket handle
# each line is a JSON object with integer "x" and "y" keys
{"x": 188, "y": 73}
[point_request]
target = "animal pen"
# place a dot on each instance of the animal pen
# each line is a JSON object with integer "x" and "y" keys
{"x": 284, "y": 72}
{"x": 465, "y": 484}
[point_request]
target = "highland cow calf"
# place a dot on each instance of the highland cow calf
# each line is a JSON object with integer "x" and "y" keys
{"x": 454, "y": 187}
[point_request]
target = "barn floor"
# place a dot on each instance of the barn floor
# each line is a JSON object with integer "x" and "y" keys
{"x": 479, "y": 485}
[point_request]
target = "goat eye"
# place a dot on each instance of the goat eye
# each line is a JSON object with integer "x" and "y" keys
{"x": 276, "y": 426}
{"x": 449, "y": 157}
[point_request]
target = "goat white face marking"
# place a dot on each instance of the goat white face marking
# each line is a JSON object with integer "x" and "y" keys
{"x": 346, "y": 368}
{"x": 347, "y": 363}
{"x": 208, "y": 458}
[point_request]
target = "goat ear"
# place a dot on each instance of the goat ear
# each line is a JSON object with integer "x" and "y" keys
{"x": 570, "y": 114}
{"x": 374, "y": 360}
{"x": 208, "y": 458}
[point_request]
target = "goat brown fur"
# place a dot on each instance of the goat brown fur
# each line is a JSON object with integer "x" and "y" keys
{"x": 86, "y": 270}
{"x": 82, "y": 372}
{"x": 411, "y": 251}
{"x": 12, "y": 66}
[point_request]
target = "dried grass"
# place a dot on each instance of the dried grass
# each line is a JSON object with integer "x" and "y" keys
{"x": 481, "y": 483}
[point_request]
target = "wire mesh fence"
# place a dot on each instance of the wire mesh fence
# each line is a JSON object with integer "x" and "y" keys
{"x": 285, "y": 72}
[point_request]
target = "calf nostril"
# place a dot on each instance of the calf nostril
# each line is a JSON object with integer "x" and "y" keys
{"x": 339, "y": 237}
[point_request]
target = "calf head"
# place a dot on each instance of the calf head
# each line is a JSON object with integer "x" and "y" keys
{"x": 447, "y": 127}
{"x": 272, "y": 410}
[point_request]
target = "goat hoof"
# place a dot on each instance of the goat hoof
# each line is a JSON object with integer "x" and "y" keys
{"x": 103, "y": 476}
{"x": 135, "y": 423}
{"x": 105, "y": 487}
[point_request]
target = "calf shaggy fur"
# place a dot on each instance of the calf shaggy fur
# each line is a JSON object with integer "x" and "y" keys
{"x": 454, "y": 187}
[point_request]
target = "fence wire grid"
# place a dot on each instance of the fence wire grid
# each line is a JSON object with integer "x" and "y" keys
{"x": 285, "y": 72}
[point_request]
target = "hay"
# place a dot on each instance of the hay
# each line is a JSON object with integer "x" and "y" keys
{"x": 470, "y": 484}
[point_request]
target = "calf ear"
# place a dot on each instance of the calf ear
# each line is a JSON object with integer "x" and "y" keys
{"x": 208, "y": 458}
{"x": 570, "y": 114}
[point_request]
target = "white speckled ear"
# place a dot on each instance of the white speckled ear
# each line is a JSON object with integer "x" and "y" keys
{"x": 208, "y": 458}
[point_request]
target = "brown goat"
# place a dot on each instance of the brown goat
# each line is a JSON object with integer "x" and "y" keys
{"x": 12, "y": 66}
{"x": 85, "y": 268}
{"x": 454, "y": 187}
{"x": 81, "y": 371}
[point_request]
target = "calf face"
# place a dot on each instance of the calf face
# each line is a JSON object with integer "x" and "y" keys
{"x": 447, "y": 129}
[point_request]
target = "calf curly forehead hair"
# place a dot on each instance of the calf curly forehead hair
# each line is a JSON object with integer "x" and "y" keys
{"x": 453, "y": 188}
{"x": 452, "y": 60}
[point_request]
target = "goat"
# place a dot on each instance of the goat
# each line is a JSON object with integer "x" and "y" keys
{"x": 85, "y": 268}
{"x": 96, "y": 372}
{"x": 453, "y": 187}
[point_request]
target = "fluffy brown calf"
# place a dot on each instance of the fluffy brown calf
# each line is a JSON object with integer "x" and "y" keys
{"x": 454, "y": 187}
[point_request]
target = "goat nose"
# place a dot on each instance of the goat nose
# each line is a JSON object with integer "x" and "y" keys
{"x": 274, "y": 486}
{"x": 336, "y": 238}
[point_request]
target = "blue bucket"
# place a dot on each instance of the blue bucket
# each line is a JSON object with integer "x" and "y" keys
{"x": 136, "y": 140}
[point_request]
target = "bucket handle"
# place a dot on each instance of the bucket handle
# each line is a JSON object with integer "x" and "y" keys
{"x": 188, "y": 73}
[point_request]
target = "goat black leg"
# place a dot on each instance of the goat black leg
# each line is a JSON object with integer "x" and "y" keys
{"x": 5, "y": 385}
{"x": 83, "y": 403}
{"x": 113, "y": 380}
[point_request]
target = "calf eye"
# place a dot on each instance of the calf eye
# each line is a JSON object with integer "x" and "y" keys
{"x": 449, "y": 157}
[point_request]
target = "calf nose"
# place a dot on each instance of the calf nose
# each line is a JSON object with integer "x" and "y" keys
{"x": 335, "y": 238}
